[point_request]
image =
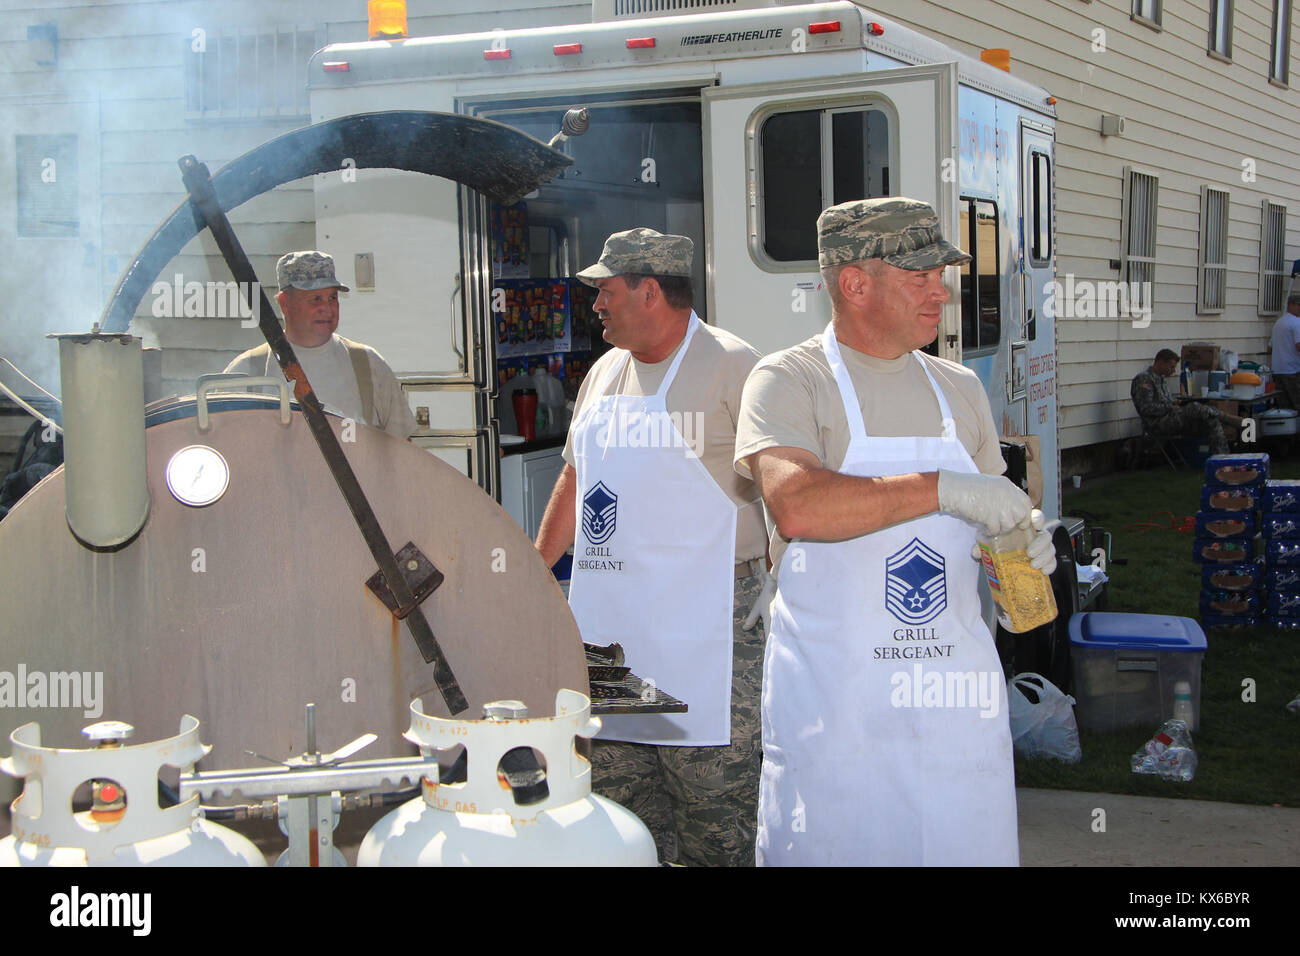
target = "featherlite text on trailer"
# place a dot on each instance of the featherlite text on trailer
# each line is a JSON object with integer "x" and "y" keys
{"x": 735, "y": 128}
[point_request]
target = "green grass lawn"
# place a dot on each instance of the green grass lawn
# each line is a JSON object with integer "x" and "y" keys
{"x": 1248, "y": 752}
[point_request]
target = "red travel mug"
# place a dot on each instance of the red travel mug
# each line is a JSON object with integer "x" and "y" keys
{"x": 525, "y": 401}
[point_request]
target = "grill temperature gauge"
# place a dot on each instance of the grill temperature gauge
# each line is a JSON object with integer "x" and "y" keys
{"x": 197, "y": 475}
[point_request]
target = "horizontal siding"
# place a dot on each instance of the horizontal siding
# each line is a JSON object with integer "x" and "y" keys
{"x": 150, "y": 208}
{"x": 120, "y": 86}
{"x": 257, "y": 238}
{"x": 1191, "y": 120}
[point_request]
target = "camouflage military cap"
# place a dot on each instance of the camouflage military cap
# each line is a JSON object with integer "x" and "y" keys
{"x": 644, "y": 252}
{"x": 902, "y": 232}
{"x": 307, "y": 270}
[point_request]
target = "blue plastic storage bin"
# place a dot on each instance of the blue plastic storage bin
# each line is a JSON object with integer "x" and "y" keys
{"x": 1126, "y": 666}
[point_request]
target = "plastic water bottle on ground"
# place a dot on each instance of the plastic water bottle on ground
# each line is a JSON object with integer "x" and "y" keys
{"x": 1168, "y": 754}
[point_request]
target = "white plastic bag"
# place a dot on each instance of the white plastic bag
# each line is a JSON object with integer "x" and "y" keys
{"x": 1042, "y": 719}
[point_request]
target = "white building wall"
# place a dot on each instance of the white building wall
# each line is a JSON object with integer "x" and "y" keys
{"x": 119, "y": 85}
{"x": 1191, "y": 119}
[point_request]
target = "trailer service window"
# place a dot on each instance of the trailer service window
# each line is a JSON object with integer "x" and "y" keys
{"x": 981, "y": 298}
{"x": 812, "y": 159}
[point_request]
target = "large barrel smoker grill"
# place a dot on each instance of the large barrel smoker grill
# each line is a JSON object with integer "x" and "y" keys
{"x": 242, "y": 562}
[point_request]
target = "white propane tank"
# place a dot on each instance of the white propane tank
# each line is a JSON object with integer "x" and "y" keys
{"x": 125, "y": 826}
{"x": 481, "y": 822}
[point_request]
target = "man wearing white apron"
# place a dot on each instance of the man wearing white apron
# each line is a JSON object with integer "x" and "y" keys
{"x": 668, "y": 550}
{"x": 885, "y": 726}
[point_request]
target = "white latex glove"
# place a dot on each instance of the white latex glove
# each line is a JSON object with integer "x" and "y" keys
{"x": 1041, "y": 551}
{"x": 763, "y": 605}
{"x": 988, "y": 500}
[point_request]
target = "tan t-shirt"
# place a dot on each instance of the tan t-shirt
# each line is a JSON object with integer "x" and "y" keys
{"x": 705, "y": 398}
{"x": 791, "y": 400}
{"x": 329, "y": 369}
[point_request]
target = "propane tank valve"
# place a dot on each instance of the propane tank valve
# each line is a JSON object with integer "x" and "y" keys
{"x": 109, "y": 733}
{"x": 505, "y": 710}
{"x": 108, "y": 799}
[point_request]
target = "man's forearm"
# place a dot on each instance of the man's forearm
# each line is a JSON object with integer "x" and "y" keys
{"x": 558, "y": 523}
{"x": 822, "y": 505}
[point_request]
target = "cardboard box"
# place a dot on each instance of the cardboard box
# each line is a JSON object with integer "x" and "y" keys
{"x": 1201, "y": 356}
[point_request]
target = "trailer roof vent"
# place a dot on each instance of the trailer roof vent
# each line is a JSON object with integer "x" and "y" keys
{"x": 604, "y": 10}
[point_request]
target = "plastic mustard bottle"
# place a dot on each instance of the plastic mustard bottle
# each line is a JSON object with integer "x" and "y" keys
{"x": 1023, "y": 593}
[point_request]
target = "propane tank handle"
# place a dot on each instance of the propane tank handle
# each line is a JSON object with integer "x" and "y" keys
{"x": 230, "y": 381}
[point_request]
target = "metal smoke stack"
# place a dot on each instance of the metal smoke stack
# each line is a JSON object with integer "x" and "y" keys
{"x": 107, "y": 491}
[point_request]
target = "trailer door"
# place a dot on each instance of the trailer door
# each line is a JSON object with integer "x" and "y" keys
{"x": 1038, "y": 272}
{"x": 776, "y": 154}
{"x": 396, "y": 240}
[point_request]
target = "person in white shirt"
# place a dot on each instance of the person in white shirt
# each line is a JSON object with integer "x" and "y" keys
{"x": 1286, "y": 352}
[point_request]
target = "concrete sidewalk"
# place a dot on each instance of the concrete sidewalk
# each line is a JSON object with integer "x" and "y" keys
{"x": 1056, "y": 829}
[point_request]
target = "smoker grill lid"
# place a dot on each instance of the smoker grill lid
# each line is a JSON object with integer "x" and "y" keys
{"x": 497, "y": 160}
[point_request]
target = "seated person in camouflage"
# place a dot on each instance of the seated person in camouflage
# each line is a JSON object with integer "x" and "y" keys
{"x": 1164, "y": 415}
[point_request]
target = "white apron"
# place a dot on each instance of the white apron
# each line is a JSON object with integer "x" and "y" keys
{"x": 878, "y": 668}
{"x": 654, "y": 560}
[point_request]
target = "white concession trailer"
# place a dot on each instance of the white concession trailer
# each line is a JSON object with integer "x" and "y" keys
{"x": 732, "y": 126}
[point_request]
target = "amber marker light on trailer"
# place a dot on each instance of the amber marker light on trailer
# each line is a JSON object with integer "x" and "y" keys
{"x": 567, "y": 49}
{"x": 387, "y": 19}
{"x": 827, "y": 26}
{"x": 997, "y": 57}
{"x": 640, "y": 43}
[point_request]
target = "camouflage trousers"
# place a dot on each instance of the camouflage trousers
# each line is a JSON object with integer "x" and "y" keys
{"x": 1193, "y": 419}
{"x": 700, "y": 803}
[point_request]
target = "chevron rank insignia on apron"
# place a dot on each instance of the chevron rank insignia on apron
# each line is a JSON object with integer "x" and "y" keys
{"x": 916, "y": 588}
{"x": 599, "y": 513}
